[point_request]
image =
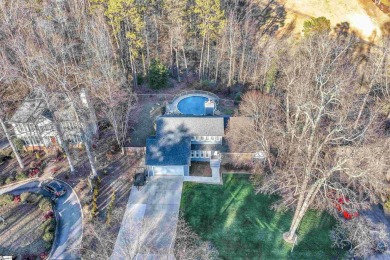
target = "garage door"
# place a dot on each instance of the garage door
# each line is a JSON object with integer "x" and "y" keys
{"x": 168, "y": 170}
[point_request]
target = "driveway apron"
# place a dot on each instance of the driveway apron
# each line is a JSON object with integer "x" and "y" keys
{"x": 149, "y": 224}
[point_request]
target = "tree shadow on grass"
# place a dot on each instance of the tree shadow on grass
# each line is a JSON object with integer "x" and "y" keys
{"x": 241, "y": 224}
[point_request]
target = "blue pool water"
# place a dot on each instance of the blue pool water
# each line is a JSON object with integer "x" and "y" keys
{"x": 193, "y": 105}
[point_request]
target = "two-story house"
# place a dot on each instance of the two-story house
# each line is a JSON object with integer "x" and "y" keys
{"x": 181, "y": 139}
{"x": 34, "y": 123}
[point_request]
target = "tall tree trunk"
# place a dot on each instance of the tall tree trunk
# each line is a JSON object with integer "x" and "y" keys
{"x": 201, "y": 58}
{"x": 208, "y": 58}
{"x": 185, "y": 62}
{"x": 91, "y": 159}
{"x": 177, "y": 65}
{"x": 12, "y": 144}
{"x": 64, "y": 145}
{"x": 230, "y": 77}
{"x": 147, "y": 43}
{"x": 300, "y": 212}
{"x": 157, "y": 36}
{"x": 242, "y": 61}
{"x": 134, "y": 70}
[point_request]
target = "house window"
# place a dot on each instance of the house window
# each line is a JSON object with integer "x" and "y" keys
{"x": 212, "y": 138}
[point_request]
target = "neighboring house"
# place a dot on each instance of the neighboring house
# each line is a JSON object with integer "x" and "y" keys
{"x": 181, "y": 139}
{"x": 33, "y": 122}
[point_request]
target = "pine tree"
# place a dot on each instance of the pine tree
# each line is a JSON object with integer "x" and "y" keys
{"x": 125, "y": 17}
{"x": 211, "y": 21}
{"x": 177, "y": 16}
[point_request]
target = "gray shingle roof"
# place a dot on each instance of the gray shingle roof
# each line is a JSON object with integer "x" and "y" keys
{"x": 168, "y": 150}
{"x": 33, "y": 107}
{"x": 190, "y": 125}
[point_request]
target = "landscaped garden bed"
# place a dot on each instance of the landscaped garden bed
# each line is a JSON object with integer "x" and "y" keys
{"x": 10, "y": 172}
{"x": 28, "y": 229}
{"x": 241, "y": 225}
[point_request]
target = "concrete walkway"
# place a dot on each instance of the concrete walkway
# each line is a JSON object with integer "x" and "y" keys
{"x": 149, "y": 225}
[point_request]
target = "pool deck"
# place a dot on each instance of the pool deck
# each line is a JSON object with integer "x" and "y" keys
{"x": 173, "y": 107}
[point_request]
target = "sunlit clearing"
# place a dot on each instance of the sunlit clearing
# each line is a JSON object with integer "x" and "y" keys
{"x": 362, "y": 23}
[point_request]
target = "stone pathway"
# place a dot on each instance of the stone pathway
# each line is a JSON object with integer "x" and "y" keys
{"x": 149, "y": 225}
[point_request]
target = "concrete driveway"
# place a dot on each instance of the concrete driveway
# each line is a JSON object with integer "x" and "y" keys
{"x": 69, "y": 216}
{"x": 149, "y": 224}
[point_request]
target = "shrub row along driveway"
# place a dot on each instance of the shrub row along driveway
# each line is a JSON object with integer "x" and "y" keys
{"x": 69, "y": 226}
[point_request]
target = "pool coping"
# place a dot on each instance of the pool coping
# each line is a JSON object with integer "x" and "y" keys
{"x": 172, "y": 108}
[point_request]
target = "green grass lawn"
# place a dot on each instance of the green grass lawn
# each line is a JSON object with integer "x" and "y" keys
{"x": 241, "y": 224}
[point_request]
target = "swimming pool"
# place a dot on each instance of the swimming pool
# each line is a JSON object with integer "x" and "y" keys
{"x": 192, "y": 105}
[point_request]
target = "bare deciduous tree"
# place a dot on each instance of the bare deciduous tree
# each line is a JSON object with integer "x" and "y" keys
{"x": 361, "y": 236}
{"x": 306, "y": 131}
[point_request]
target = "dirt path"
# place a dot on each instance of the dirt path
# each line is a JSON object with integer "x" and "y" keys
{"x": 363, "y": 16}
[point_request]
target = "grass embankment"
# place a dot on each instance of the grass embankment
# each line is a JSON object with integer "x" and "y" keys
{"x": 241, "y": 225}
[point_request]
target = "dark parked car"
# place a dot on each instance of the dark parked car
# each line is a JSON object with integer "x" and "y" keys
{"x": 54, "y": 187}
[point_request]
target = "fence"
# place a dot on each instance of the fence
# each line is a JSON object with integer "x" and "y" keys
{"x": 189, "y": 92}
{"x": 237, "y": 159}
{"x": 135, "y": 151}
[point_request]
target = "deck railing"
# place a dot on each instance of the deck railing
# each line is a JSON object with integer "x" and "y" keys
{"x": 188, "y": 92}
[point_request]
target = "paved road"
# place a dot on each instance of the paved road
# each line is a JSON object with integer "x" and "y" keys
{"x": 68, "y": 213}
{"x": 149, "y": 225}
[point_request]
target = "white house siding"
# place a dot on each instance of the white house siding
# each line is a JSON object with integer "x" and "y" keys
{"x": 41, "y": 133}
{"x": 206, "y": 139}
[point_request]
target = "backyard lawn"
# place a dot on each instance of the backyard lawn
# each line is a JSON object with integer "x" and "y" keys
{"x": 241, "y": 225}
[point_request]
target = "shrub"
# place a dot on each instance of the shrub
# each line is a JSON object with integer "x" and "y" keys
{"x": 94, "y": 209}
{"x": 316, "y": 25}
{"x": 9, "y": 180}
{"x": 238, "y": 96}
{"x": 25, "y": 196}
{"x": 48, "y": 215}
{"x": 21, "y": 176}
{"x": 29, "y": 257}
{"x": 45, "y": 255}
{"x": 19, "y": 143}
{"x": 387, "y": 204}
{"x": 17, "y": 199}
{"x": 50, "y": 225}
{"x": 48, "y": 245}
{"x": 45, "y": 204}
{"x": 6, "y": 199}
{"x": 110, "y": 207}
{"x": 140, "y": 79}
{"x": 33, "y": 198}
{"x": 48, "y": 237}
{"x": 158, "y": 75}
{"x": 2, "y": 180}
{"x": 50, "y": 228}
{"x": 95, "y": 192}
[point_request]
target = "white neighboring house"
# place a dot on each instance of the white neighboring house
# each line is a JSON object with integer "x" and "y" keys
{"x": 33, "y": 122}
{"x": 181, "y": 139}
